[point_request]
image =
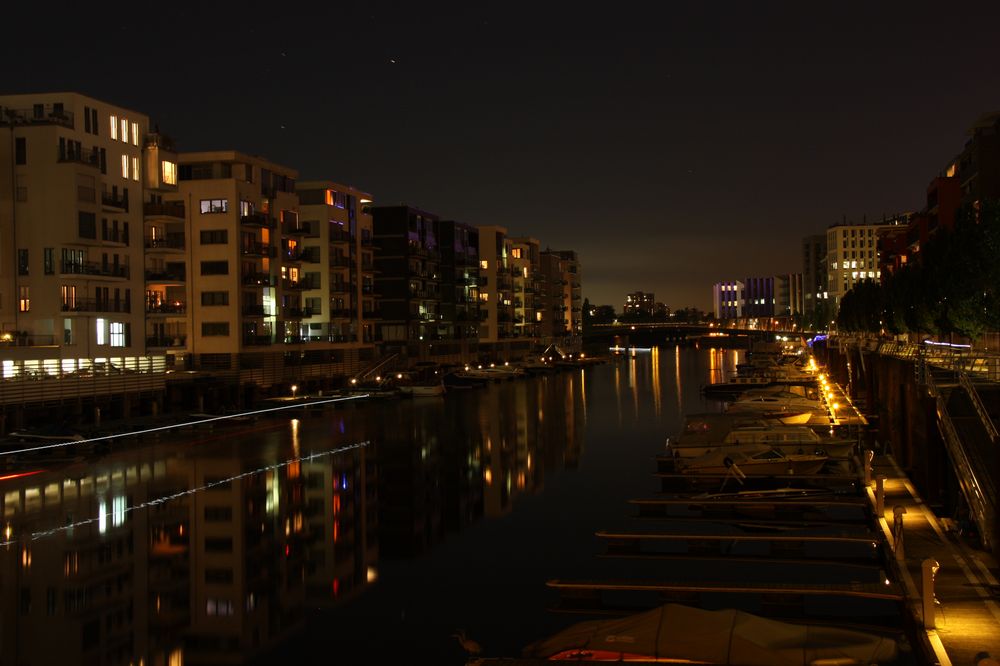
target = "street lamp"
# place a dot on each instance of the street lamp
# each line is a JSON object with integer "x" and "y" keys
{"x": 294, "y": 389}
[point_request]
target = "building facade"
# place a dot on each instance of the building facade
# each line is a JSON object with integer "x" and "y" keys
{"x": 727, "y": 299}
{"x": 563, "y": 301}
{"x": 525, "y": 266}
{"x": 814, "y": 275}
{"x": 640, "y": 304}
{"x": 852, "y": 255}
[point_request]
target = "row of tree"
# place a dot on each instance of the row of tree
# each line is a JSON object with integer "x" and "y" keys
{"x": 952, "y": 287}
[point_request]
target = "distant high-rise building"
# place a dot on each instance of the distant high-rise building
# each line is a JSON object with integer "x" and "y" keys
{"x": 525, "y": 264}
{"x": 496, "y": 295}
{"x": 460, "y": 287}
{"x": 639, "y": 303}
{"x": 852, "y": 255}
{"x": 563, "y": 302}
{"x": 758, "y": 297}
{"x": 788, "y": 296}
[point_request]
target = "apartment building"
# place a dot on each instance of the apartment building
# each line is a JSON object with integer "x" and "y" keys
{"x": 496, "y": 295}
{"x": 71, "y": 272}
{"x": 728, "y": 299}
{"x": 563, "y": 300}
{"x": 852, "y": 255}
{"x": 339, "y": 263}
{"x": 245, "y": 254}
{"x": 459, "y": 280}
{"x": 407, "y": 278}
{"x": 525, "y": 266}
{"x": 639, "y": 303}
{"x": 814, "y": 275}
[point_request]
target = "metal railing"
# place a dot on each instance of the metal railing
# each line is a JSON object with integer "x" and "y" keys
{"x": 94, "y": 268}
{"x": 980, "y": 496}
{"x": 977, "y": 402}
{"x": 163, "y": 209}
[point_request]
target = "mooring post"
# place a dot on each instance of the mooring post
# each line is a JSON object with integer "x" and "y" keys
{"x": 897, "y": 531}
{"x": 868, "y": 456}
{"x": 928, "y": 569}
{"x": 880, "y": 495}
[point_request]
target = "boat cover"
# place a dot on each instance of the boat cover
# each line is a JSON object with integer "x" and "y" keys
{"x": 726, "y": 636}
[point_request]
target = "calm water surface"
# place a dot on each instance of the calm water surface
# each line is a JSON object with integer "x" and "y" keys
{"x": 375, "y": 529}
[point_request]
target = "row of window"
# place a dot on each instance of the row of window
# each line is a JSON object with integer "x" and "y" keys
{"x": 119, "y": 129}
{"x": 75, "y": 261}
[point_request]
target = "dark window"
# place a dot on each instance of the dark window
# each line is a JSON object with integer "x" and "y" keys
{"x": 215, "y": 268}
{"x": 218, "y": 544}
{"x": 20, "y": 151}
{"x": 93, "y": 122}
{"x": 22, "y": 261}
{"x": 214, "y": 236}
{"x": 216, "y": 514}
{"x": 49, "y": 260}
{"x": 215, "y": 298}
{"x": 218, "y": 575}
{"x": 214, "y": 328}
{"x": 86, "y": 119}
{"x": 87, "y": 225}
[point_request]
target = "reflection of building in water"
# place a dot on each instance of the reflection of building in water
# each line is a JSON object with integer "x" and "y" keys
{"x": 341, "y": 514}
{"x": 217, "y": 573}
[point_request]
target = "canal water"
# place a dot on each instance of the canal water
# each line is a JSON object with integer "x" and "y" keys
{"x": 370, "y": 529}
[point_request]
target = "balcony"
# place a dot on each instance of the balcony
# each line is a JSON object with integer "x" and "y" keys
{"x": 371, "y": 314}
{"x": 85, "y": 156}
{"x": 258, "y": 220}
{"x": 39, "y": 114}
{"x": 368, "y": 289}
{"x": 253, "y": 310}
{"x": 173, "y": 209}
{"x": 258, "y": 279}
{"x": 166, "y": 308}
{"x": 300, "y": 285}
{"x": 339, "y": 236}
{"x": 166, "y": 341}
{"x": 291, "y": 255}
{"x": 96, "y": 305}
{"x": 94, "y": 268}
{"x": 172, "y": 276}
{"x": 170, "y": 243}
{"x": 120, "y": 236}
{"x": 311, "y": 255}
{"x": 339, "y": 261}
{"x": 256, "y": 340}
{"x": 293, "y": 313}
{"x": 115, "y": 200}
{"x": 255, "y": 249}
{"x": 295, "y": 230}
{"x": 340, "y": 288}
{"x": 341, "y": 313}
{"x": 25, "y": 339}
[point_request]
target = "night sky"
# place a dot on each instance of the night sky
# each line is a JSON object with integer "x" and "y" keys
{"x": 671, "y": 147}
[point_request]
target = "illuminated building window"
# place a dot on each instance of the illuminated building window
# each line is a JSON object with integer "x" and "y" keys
{"x": 117, "y": 334}
{"x": 484, "y": 264}
{"x": 24, "y": 302}
{"x": 135, "y": 134}
{"x": 169, "y": 172}
{"x": 124, "y": 132}
{"x": 221, "y": 607}
{"x": 114, "y": 126}
{"x": 135, "y": 168}
{"x": 125, "y": 166}
{"x": 101, "y": 331}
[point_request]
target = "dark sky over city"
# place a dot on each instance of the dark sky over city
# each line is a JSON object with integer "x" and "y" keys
{"x": 671, "y": 144}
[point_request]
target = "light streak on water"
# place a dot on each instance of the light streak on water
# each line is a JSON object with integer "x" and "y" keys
{"x": 119, "y": 516}
{"x": 135, "y": 433}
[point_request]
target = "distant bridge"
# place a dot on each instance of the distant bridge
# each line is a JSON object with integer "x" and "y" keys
{"x": 649, "y": 334}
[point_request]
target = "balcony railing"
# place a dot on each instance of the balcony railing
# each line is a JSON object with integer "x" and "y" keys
{"x": 338, "y": 236}
{"x": 25, "y": 339}
{"x": 86, "y": 156}
{"x": 166, "y": 341}
{"x": 296, "y": 313}
{"x": 258, "y": 220}
{"x": 253, "y": 310}
{"x": 166, "y": 308}
{"x": 341, "y": 313}
{"x": 115, "y": 199}
{"x": 95, "y": 305}
{"x": 256, "y": 339}
{"x": 170, "y": 242}
{"x": 340, "y": 288}
{"x": 163, "y": 209}
{"x": 94, "y": 268}
{"x": 39, "y": 114}
{"x": 311, "y": 255}
{"x": 255, "y": 249}
{"x": 339, "y": 261}
{"x": 164, "y": 276}
{"x": 291, "y": 255}
{"x": 258, "y": 279}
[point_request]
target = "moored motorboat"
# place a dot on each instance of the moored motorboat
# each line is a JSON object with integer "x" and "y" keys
{"x": 422, "y": 390}
{"x": 703, "y": 433}
{"x": 758, "y": 459}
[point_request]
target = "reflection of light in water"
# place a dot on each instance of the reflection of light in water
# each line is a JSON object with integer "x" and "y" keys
{"x": 618, "y": 392}
{"x": 713, "y": 368}
{"x": 583, "y": 393}
{"x": 295, "y": 437}
{"x": 634, "y": 384}
{"x": 102, "y": 507}
{"x": 655, "y": 368}
{"x": 371, "y": 574}
{"x": 488, "y": 476}
{"x": 677, "y": 375}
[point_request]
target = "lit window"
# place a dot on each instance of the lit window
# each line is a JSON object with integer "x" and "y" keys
{"x": 114, "y": 127}
{"x": 125, "y": 166}
{"x": 102, "y": 331}
{"x": 124, "y": 132}
{"x": 24, "y": 303}
{"x": 484, "y": 264}
{"x": 135, "y": 168}
{"x": 169, "y": 173}
{"x": 117, "y": 334}
{"x": 135, "y": 134}
{"x": 835, "y": 265}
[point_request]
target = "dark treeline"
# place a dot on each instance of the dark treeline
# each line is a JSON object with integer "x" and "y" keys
{"x": 953, "y": 285}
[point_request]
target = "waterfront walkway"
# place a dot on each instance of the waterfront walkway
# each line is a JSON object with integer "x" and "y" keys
{"x": 965, "y": 618}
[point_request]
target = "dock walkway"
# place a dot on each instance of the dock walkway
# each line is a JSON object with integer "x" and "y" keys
{"x": 966, "y": 616}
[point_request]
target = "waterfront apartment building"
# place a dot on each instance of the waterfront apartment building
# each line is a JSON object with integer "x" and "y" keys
{"x": 339, "y": 263}
{"x": 525, "y": 268}
{"x": 563, "y": 302}
{"x": 496, "y": 295}
{"x": 788, "y": 296}
{"x": 71, "y": 279}
{"x": 727, "y": 299}
{"x": 640, "y": 303}
{"x": 459, "y": 280}
{"x": 852, "y": 255}
{"x": 245, "y": 255}
{"x": 408, "y": 277}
